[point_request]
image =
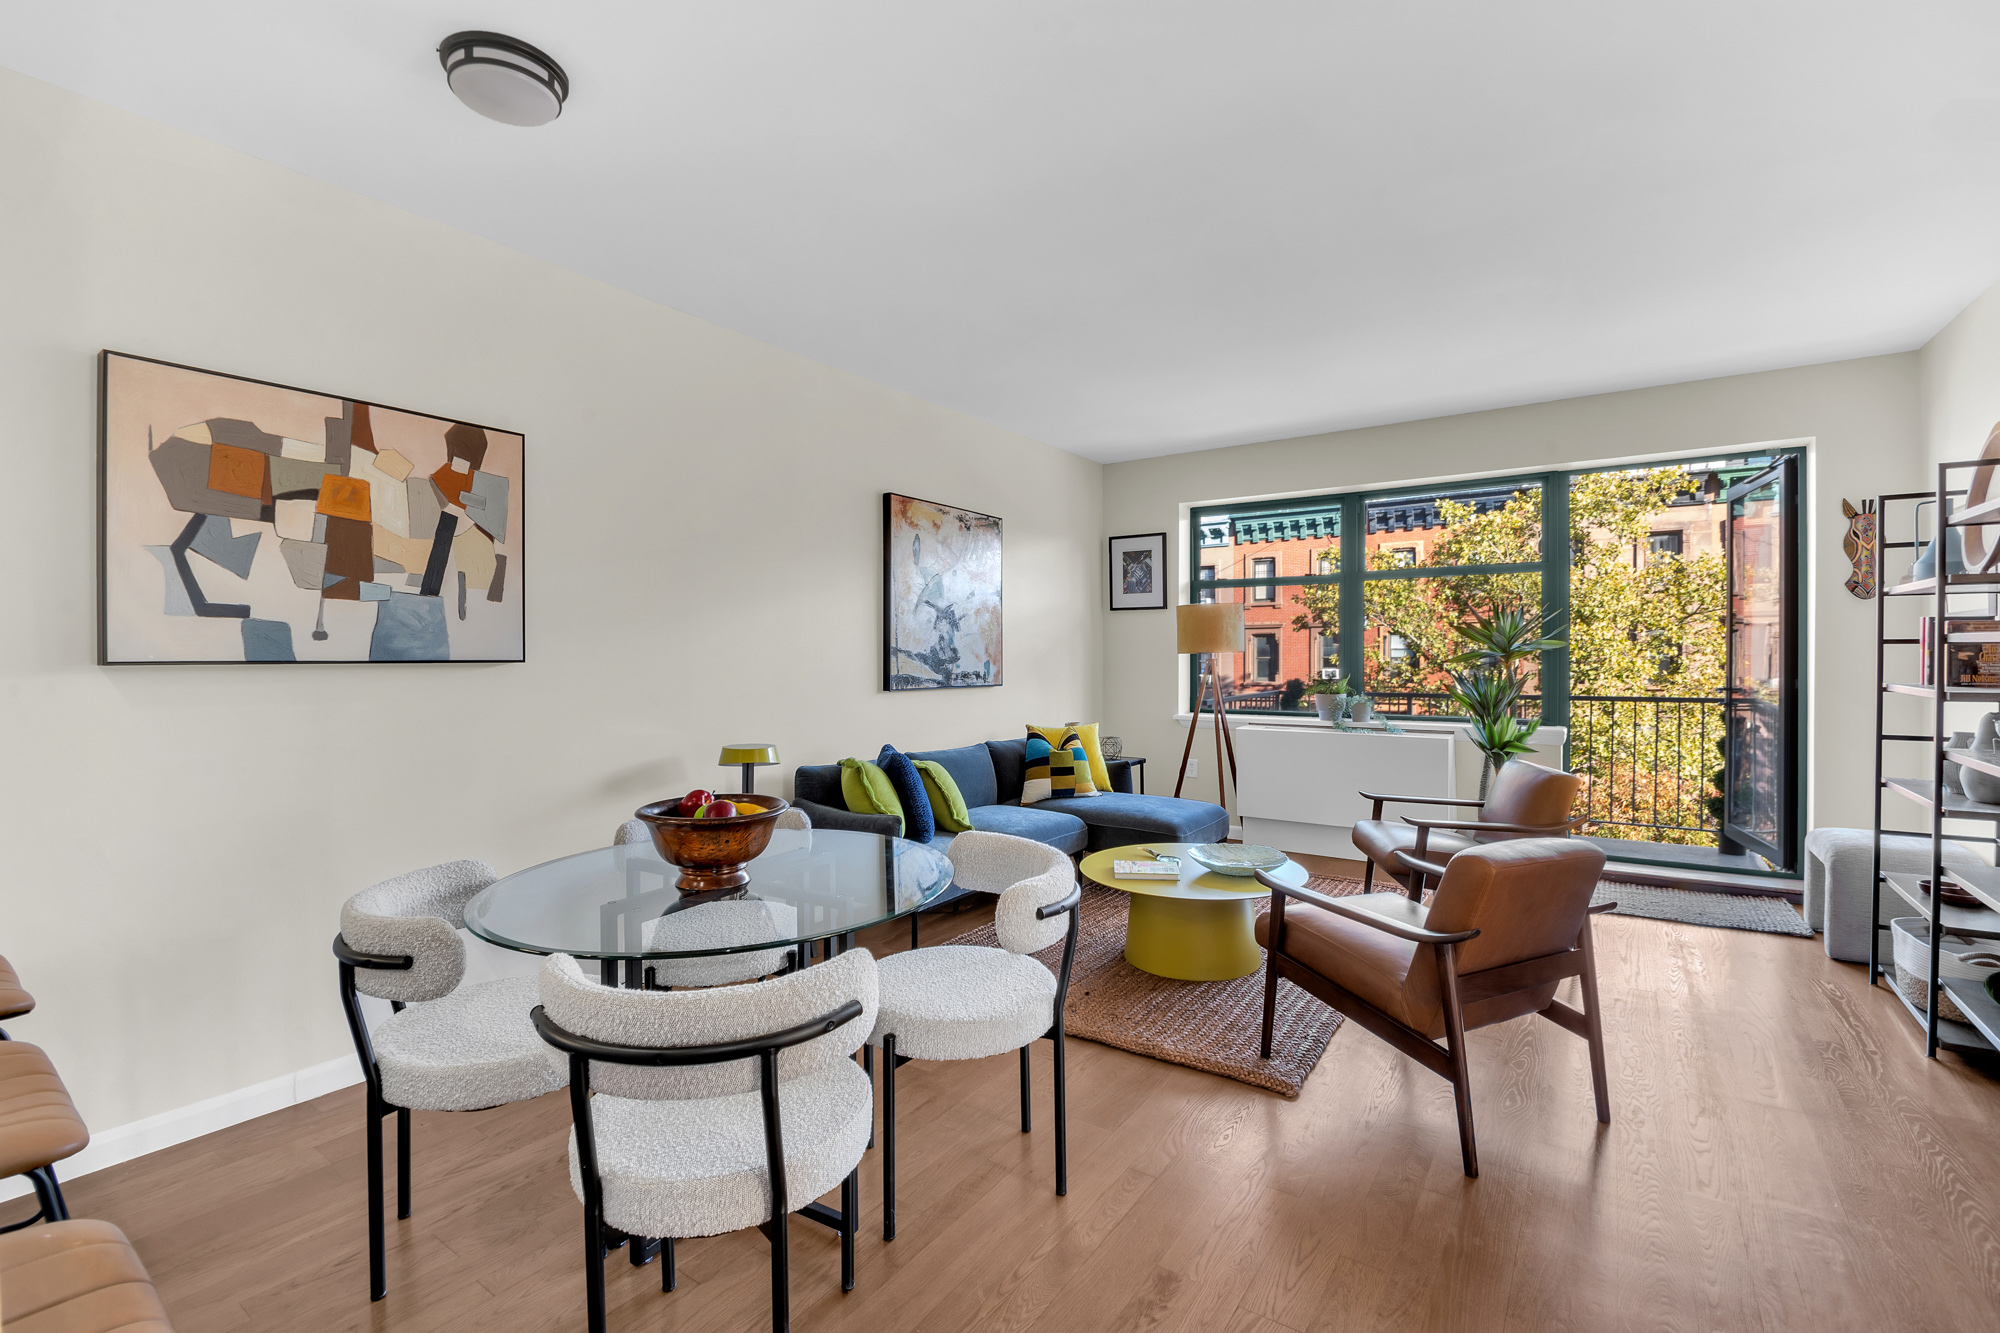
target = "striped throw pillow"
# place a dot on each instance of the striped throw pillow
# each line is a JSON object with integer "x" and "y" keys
{"x": 1056, "y": 771}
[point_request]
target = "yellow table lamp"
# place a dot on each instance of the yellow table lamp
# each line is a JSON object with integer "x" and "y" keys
{"x": 1212, "y": 628}
{"x": 751, "y": 758}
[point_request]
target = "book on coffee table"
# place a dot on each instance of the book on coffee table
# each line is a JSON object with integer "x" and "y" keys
{"x": 1145, "y": 870}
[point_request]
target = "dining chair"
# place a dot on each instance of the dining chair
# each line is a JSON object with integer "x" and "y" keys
{"x": 461, "y": 1048}
{"x": 1509, "y": 921}
{"x": 39, "y": 1125}
{"x": 715, "y": 925}
{"x": 1523, "y": 800}
{"x": 967, "y": 1002}
{"x": 14, "y": 1000}
{"x": 76, "y": 1277}
{"x": 700, "y": 1112}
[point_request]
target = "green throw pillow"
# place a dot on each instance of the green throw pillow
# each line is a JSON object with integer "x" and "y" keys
{"x": 868, "y": 791}
{"x": 947, "y": 802}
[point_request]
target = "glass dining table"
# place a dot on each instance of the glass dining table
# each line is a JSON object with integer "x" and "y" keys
{"x": 611, "y": 905}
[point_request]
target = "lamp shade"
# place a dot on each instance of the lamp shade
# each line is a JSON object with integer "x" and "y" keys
{"x": 1209, "y": 627}
{"x": 749, "y": 754}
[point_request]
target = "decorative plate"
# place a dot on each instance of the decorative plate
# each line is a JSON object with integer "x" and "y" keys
{"x": 1237, "y": 858}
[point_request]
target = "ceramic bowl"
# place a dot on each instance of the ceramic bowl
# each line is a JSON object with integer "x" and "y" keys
{"x": 1236, "y": 858}
{"x": 712, "y": 853}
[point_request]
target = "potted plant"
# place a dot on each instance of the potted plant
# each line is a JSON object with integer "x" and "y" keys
{"x": 1330, "y": 698}
{"x": 1487, "y": 681}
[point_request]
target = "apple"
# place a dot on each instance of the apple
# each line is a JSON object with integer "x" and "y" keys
{"x": 719, "y": 810}
{"x": 692, "y": 803}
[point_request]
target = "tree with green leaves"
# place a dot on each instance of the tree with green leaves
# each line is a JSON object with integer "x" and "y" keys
{"x": 1653, "y": 627}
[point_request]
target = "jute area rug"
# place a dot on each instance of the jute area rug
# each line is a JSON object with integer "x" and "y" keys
{"x": 1208, "y": 1025}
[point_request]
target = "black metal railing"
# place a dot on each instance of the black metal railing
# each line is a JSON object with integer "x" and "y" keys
{"x": 1649, "y": 763}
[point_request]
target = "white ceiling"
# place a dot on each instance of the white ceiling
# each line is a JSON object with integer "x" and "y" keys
{"x": 1137, "y": 227}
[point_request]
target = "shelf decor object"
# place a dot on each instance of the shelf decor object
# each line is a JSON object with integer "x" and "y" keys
{"x": 1138, "y": 572}
{"x": 1211, "y": 630}
{"x": 1859, "y": 547}
{"x": 1959, "y": 612}
{"x": 242, "y": 521}
{"x": 940, "y": 596}
{"x": 750, "y": 758}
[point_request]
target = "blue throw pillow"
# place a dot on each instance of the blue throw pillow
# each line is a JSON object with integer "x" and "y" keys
{"x": 919, "y": 825}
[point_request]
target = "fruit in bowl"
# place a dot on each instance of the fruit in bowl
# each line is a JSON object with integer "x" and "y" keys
{"x": 713, "y": 838}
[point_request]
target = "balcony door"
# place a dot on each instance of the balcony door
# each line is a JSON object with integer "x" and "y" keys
{"x": 1760, "y": 763}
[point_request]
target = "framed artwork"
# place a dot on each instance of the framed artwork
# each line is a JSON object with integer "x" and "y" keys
{"x": 940, "y": 596}
{"x": 1139, "y": 572}
{"x": 241, "y": 521}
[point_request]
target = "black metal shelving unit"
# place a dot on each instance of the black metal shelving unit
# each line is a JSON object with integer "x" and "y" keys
{"x": 1945, "y": 596}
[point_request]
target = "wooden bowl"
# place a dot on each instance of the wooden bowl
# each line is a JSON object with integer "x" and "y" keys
{"x": 712, "y": 853}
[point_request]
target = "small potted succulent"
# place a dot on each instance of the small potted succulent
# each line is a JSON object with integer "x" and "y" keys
{"x": 1331, "y": 698}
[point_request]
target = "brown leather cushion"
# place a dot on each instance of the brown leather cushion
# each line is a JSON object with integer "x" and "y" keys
{"x": 38, "y": 1123}
{"x": 1526, "y": 898}
{"x": 1380, "y": 839}
{"x": 13, "y": 1000}
{"x": 1371, "y": 963}
{"x": 76, "y": 1277}
{"x": 1525, "y": 793}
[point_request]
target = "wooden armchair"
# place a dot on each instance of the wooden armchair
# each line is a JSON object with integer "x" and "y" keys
{"x": 1510, "y": 921}
{"x": 1524, "y": 800}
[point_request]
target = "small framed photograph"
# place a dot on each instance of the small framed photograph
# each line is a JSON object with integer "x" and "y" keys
{"x": 1139, "y": 572}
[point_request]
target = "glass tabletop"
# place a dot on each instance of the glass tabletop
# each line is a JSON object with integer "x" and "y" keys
{"x": 620, "y": 902}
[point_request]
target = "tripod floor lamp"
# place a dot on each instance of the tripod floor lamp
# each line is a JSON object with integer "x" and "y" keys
{"x": 1212, "y": 628}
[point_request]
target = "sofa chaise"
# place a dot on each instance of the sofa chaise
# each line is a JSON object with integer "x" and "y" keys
{"x": 990, "y": 777}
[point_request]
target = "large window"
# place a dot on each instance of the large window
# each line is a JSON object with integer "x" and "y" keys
{"x": 1371, "y": 587}
{"x": 1628, "y": 561}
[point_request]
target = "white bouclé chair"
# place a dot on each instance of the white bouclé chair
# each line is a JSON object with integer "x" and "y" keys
{"x": 447, "y": 1046}
{"x": 700, "y": 1112}
{"x": 960, "y": 1002}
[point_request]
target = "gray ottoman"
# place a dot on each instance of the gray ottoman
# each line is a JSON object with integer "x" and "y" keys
{"x": 1836, "y": 895}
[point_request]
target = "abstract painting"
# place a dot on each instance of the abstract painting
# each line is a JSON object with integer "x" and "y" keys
{"x": 941, "y": 596}
{"x": 249, "y": 522}
{"x": 1139, "y": 572}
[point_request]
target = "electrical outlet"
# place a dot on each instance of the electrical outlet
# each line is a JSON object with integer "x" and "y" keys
{"x": 1194, "y": 768}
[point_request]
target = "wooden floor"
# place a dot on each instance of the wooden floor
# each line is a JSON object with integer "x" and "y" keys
{"x": 1781, "y": 1158}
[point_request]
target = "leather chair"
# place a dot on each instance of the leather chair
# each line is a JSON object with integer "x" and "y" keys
{"x": 1524, "y": 800}
{"x": 39, "y": 1125}
{"x": 1510, "y": 920}
{"x": 76, "y": 1277}
{"x": 13, "y": 1000}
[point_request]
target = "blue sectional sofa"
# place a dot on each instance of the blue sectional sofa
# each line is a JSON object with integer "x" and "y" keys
{"x": 989, "y": 777}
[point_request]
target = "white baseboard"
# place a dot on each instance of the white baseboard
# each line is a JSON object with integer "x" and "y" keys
{"x": 122, "y": 1144}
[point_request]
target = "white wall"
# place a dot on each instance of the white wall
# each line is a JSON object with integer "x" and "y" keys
{"x": 1959, "y": 384}
{"x": 1858, "y": 418}
{"x": 704, "y": 565}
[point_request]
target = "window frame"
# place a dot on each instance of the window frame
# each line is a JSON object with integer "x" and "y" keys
{"x": 1352, "y": 574}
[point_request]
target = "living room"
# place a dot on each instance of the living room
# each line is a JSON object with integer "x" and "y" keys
{"x": 765, "y": 316}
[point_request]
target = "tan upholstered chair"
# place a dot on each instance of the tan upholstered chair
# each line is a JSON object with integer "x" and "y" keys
{"x": 76, "y": 1277}
{"x": 1510, "y": 920}
{"x": 39, "y": 1125}
{"x": 1524, "y": 800}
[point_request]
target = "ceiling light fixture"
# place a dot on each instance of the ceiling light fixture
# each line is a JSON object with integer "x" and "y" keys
{"x": 502, "y": 78}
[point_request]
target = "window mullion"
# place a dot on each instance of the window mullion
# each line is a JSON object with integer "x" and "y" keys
{"x": 1353, "y": 624}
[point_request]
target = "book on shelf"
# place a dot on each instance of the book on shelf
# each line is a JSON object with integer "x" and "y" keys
{"x": 1974, "y": 665}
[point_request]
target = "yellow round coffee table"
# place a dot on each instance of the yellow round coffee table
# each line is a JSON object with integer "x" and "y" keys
{"x": 1196, "y": 927}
